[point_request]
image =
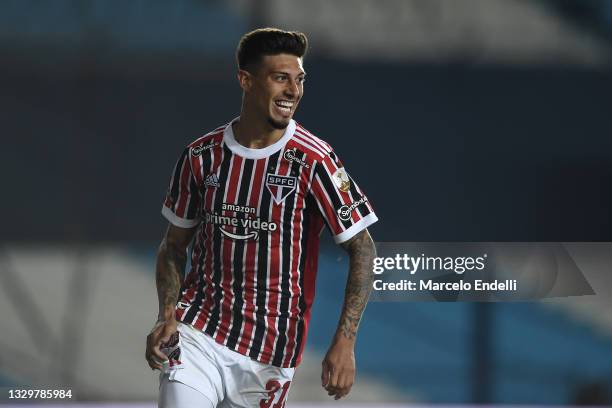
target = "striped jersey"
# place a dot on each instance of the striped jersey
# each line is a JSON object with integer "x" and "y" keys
{"x": 259, "y": 214}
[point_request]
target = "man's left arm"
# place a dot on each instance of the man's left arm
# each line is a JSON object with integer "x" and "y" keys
{"x": 339, "y": 363}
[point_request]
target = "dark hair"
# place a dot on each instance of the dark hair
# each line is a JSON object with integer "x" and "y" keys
{"x": 269, "y": 41}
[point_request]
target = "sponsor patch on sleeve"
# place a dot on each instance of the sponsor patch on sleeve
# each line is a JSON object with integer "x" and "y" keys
{"x": 344, "y": 212}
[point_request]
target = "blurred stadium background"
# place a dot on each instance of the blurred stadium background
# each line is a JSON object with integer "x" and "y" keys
{"x": 470, "y": 120}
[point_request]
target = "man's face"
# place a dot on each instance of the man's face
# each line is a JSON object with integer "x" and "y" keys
{"x": 276, "y": 87}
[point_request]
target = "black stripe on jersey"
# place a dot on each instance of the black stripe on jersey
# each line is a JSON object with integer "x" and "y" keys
{"x": 217, "y": 245}
{"x": 238, "y": 270}
{"x": 262, "y": 263}
{"x": 363, "y": 208}
{"x": 194, "y": 205}
{"x": 173, "y": 194}
{"x": 285, "y": 297}
{"x": 328, "y": 186}
{"x": 312, "y": 205}
{"x": 197, "y": 302}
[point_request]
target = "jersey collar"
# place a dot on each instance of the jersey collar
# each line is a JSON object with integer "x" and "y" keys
{"x": 248, "y": 153}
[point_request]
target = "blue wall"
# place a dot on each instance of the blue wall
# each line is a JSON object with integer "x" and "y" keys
{"x": 538, "y": 355}
{"x": 444, "y": 153}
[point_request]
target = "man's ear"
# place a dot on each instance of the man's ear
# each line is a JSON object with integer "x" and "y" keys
{"x": 245, "y": 80}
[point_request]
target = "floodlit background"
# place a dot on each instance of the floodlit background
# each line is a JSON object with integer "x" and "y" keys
{"x": 463, "y": 120}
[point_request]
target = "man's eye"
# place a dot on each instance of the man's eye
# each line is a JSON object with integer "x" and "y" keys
{"x": 301, "y": 80}
{"x": 281, "y": 77}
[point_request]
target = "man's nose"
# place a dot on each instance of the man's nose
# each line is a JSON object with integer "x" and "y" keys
{"x": 292, "y": 88}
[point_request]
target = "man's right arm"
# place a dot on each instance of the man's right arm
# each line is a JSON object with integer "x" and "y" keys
{"x": 170, "y": 265}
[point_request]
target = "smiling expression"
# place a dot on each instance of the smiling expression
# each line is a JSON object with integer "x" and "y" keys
{"x": 275, "y": 88}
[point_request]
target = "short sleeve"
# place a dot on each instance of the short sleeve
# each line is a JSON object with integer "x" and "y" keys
{"x": 182, "y": 203}
{"x": 343, "y": 205}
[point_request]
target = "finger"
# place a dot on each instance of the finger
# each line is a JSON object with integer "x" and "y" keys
{"x": 164, "y": 338}
{"x": 154, "y": 365}
{"x": 334, "y": 377}
{"x": 339, "y": 390}
{"x": 346, "y": 381}
{"x": 332, "y": 390}
{"x": 340, "y": 394}
{"x": 324, "y": 374}
{"x": 157, "y": 354}
{"x": 152, "y": 340}
{"x": 152, "y": 362}
{"x": 348, "y": 389}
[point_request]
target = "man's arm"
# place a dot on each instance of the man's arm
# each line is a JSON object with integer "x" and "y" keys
{"x": 170, "y": 265}
{"x": 339, "y": 363}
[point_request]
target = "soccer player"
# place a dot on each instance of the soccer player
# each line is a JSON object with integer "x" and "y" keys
{"x": 256, "y": 193}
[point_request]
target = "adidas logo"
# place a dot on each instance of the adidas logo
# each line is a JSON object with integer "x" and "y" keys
{"x": 212, "y": 181}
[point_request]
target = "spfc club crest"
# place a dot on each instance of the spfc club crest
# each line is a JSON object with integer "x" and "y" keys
{"x": 280, "y": 186}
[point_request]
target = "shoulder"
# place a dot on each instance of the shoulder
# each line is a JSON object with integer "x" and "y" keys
{"x": 208, "y": 141}
{"x": 311, "y": 144}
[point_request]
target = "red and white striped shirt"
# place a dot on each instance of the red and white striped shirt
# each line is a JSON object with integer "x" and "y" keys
{"x": 259, "y": 214}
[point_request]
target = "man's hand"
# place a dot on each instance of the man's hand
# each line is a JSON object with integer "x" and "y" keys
{"x": 170, "y": 265}
{"x": 339, "y": 368}
{"x": 160, "y": 335}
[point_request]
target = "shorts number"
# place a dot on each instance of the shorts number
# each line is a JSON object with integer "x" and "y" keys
{"x": 272, "y": 387}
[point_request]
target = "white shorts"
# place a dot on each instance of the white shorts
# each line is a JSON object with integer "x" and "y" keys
{"x": 209, "y": 374}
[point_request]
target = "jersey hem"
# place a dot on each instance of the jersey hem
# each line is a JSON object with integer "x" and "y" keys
{"x": 246, "y": 355}
{"x": 176, "y": 220}
{"x": 356, "y": 228}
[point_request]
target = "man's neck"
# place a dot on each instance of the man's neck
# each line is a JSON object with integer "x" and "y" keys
{"x": 254, "y": 133}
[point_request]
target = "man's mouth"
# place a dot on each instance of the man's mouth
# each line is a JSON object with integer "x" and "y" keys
{"x": 284, "y": 106}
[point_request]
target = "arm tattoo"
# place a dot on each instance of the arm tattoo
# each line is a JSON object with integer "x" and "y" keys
{"x": 170, "y": 266}
{"x": 361, "y": 251}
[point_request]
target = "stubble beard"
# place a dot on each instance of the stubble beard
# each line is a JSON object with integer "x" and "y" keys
{"x": 277, "y": 124}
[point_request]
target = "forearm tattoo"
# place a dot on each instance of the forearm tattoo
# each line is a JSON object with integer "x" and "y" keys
{"x": 171, "y": 264}
{"x": 361, "y": 251}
